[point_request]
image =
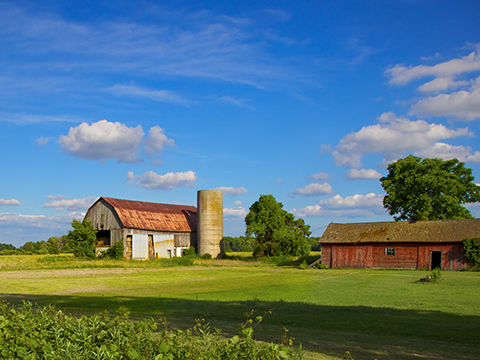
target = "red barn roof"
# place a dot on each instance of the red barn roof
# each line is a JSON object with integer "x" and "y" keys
{"x": 153, "y": 216}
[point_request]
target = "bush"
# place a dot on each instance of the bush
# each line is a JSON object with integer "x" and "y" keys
{"x": 471, "y": 248}
{"x": 44, "y": 333}
{"x": 115, "y": 252}
{"x": 191, "y": 251}
{"x": 207, "y": 256}
{"x": 82, "y": 238}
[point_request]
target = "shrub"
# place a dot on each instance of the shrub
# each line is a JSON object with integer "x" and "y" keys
{"x": 115, "y": 252}
{"x": 191, "y": 251}
{"x": 44, "y": 333}
{"x": 206, "y": 256}
{"x": 81, "y": 239}
{"x": 471, "y": 248}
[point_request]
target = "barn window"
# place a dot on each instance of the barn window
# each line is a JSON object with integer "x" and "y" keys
{"x": 389, "y": 251}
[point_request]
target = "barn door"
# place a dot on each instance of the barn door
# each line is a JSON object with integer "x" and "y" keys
{"x": 435, "y": 259}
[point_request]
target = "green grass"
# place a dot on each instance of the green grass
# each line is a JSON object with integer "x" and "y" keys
{"x": 382, "y": 314}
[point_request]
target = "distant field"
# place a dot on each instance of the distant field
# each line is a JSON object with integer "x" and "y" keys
{"x": 373, "y": 314}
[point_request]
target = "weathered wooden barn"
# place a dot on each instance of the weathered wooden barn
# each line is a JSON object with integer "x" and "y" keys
{"x": 146, "y": 229}
{"x": 398, "y": 244}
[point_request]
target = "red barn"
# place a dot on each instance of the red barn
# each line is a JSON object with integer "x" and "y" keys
{"x": 398, "y": 244}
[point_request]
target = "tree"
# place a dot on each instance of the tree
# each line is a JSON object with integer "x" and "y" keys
{"x": 429, "y": 189}
{"x": 52, "y": 245}
{"x": 276, "y": 230}
{"x": 82, "y": 238}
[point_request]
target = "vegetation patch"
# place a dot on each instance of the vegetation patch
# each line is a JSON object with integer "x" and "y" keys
{"x": 44, "y": 333}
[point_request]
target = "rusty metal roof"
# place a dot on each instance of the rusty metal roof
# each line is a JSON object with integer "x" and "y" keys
{"x": 402, "y": 231}
{"x": 154, "y": 216}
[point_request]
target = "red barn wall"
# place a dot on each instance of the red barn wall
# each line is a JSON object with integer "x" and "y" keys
{"x": 407, "y": 256}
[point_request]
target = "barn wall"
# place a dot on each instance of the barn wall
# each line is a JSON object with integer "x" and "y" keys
{"x": 407, "y": 256}
{"x": 350, "y": 256}
{"x": 161, "y": 243}
{"x": 452, "y": 256}
{"x": 326, "y": 255}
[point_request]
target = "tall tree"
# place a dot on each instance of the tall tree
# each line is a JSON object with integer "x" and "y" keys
{"x": 277, "y": 232}
{"x": 429, "y": 189}
{"x": 82, "y": 238}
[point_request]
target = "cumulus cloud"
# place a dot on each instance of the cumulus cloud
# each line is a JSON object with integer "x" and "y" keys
{"x": 153, "y": 181}
{"x": 355, "y": 174}
{"x": 321, "y": 176}
{"x": 71, "y": 204}
{"x": 447, "y": 151}
{"x": 464, "y": 104}
{"x": 235, "y": 212}
{"x": 313, "y": 190}
{"x": 441, "y": 84}
{"x": 103, "y": 140}
{"x": 401, "y": 75}
{"x": 350, "y": 206}
{"x": 393, "y": 137}
{"x": 157, "y": 140}
{"x": 231, "y": 191}
{"x": 9, "y": 202}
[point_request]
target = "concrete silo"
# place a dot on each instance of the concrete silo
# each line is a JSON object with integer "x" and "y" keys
{"x": 210, "y": 222}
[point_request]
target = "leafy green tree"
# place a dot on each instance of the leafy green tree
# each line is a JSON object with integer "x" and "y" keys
{"x": 276, "y": 230}
{"x": 65, "y": 246}
{"x": 82, "y": 238}
{"x": 52, "y": 246}
{"x": 429, "y": 189}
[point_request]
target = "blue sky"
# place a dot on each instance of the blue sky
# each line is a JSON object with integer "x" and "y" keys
{"x": 153, "y": 101}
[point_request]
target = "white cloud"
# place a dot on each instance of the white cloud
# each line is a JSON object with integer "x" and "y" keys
{"x": 313, "y": 190}
{"x": 42, "y": 141}
{"x": 447, "y": 151}
{"x": 19, "y": 228}
{"x": 231, "y": 191}
{"x": 350, "y": 206}
{"x": 157, "y": 140}
{"x": 103, "y": 140}
{"x": 157, "y": 95}
{"x": 153, "y": 181}
{"x": 9, "y": 202}
{"x": 355, "y": 174}
{"x": 462, "y": 104}
{"x": 393, "y": 137}
{"x": 441, "y": 84}
{"x": 72, "y": 204}
{"x": 401, "y": 75}
{"x": 237, "y": 203}
{"x": 321, "y": 176}
{"x": 56, "y": 197}
{"x": 239, "y": 212}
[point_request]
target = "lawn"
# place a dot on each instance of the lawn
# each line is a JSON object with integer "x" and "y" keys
{"x": 373, "y": 314}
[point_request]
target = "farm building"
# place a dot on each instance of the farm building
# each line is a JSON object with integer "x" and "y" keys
{"x": 398, "y": 244}
{"x": 150, "y": 230}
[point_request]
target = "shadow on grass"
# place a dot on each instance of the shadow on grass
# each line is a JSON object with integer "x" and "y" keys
{"x": 366, "y": 332}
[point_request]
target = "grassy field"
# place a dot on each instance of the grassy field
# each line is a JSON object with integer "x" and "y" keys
{"x": 373, "y": 314}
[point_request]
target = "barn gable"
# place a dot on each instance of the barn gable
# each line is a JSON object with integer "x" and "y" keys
{"x": 420, "y": 245}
